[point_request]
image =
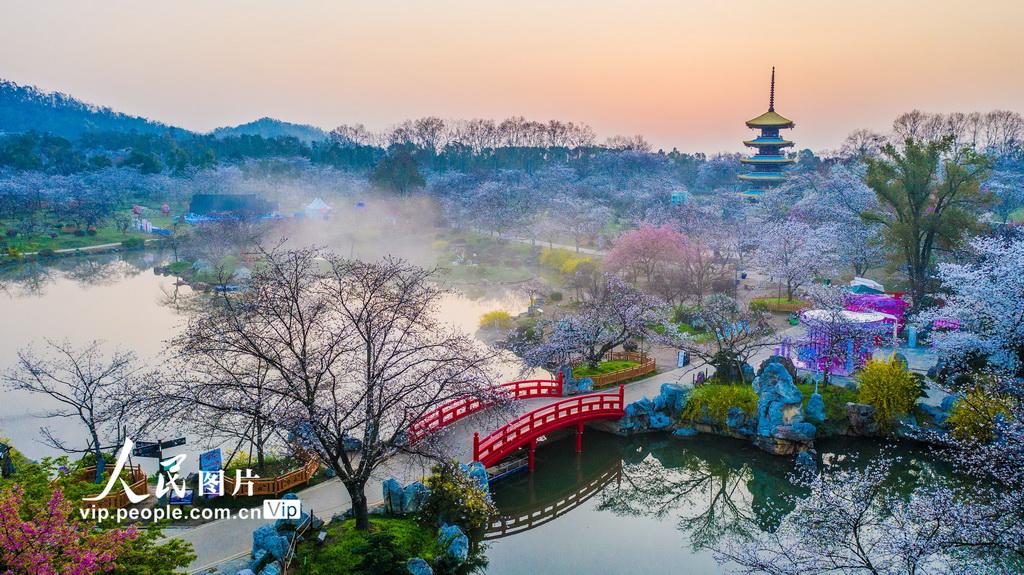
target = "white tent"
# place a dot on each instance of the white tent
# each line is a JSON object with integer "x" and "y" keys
{"x": 317, "y": 208}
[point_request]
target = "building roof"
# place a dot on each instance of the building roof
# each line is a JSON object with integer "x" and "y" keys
{"x": 762, "y": 141}
{"x": 770, "y": 119}
{"x": 767, "y": 160}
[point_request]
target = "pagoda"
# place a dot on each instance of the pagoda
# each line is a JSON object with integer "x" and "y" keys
{"x": 768, "y": 162}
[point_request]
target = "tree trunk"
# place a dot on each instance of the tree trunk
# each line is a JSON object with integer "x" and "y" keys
{"x": 100, "y": 463}
{"x": 360, "y": 508}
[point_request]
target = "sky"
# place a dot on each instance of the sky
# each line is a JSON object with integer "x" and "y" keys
{"x": 682, "y": 73}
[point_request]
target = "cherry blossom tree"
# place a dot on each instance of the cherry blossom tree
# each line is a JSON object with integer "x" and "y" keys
{"x": 47, "y": 539}
{"x": 735, "y": 333}
{"x": 793, "y": 254}
{"x": 617, "y": 314}
{"x": 986, "y": 297}
{"x": 645, "y": 251}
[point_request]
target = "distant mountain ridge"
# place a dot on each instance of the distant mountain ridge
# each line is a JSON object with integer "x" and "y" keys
{"x": 26, "y": 108}
{"x": 274, "y": 128}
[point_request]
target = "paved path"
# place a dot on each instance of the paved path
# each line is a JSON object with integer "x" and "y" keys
{"x": 220, "y": 542}
{"x": 87, "y": 248}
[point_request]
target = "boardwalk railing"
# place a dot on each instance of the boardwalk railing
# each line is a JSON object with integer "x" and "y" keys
{"x": 456, "y": 409}
{"x": 117, "y": 499}
{"x": 647, "y": 365}
{"x": 529, "y": 426}
{"x": 273, "y": 485}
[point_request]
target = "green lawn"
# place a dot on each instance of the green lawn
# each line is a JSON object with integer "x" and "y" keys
{"x": 603, "y": 368}
{"x": 104, "y": 235}
{"x": 335, "y": 555}
{"x": 835, "y": 396}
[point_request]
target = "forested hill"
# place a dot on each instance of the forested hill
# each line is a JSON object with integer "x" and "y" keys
{"x": 26, "y": 108}
{"x": 274, "y": 128}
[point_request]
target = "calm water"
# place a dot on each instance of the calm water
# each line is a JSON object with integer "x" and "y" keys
{"x": 118, "y": 299}
{"x": 646, "y": 504}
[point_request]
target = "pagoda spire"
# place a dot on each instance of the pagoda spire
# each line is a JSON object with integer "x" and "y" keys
{"x": 771, "y": 98}
{"x": 768, "y": 163}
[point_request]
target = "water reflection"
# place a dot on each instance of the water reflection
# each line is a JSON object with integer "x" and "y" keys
{"x": 32, "y": 278}
{"x": 702, "y": 488}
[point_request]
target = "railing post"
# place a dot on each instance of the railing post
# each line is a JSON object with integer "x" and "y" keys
{"x": 476, "y": 446}
{"x": 561, "y": 383}
{"x": 622, "y": 396}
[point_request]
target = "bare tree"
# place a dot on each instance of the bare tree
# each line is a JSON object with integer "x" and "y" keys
{"x": 101, "y": 392}
{"x": 354, "y": 352}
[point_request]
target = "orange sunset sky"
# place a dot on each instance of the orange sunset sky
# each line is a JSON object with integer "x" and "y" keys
{"x": 684, "y": 74}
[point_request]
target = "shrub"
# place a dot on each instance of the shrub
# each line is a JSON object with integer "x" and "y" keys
{"x": 555, "y": 297}
{"x": 46, "y": 253}
{"x": 132, "y": 243}
{"x": 974, "y": 415}
{"x": 381, "y": 556}
{"x": 890, "y": 387}
{"x": 500, "y": 317}
{"x": 759, "y": 305}
{"x": 79, "y": 233}
{"x": 91, "y": 230}
{"x": 712, "y": 402}
{"x": 455, "y": 498}
{"x": 440, "y": 245}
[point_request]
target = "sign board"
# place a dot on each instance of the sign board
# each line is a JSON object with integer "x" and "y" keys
{"x": 210, "y": 460}
{"x": 185, "y": 499}
{"x": 682, "y": 359}
{"x": 151, "y": 449}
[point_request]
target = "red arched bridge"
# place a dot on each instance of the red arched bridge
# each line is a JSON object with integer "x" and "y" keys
{"x": 456, "y": 409}
{"x": 526, "y": 428}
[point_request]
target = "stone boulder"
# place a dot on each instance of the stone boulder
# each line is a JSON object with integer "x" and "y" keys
{"x": 394, "y": 497}
{"x": 418, "y": 566}
{"x": 862, "y": 420}
{"x": 268, "y": 539}
{"x": 799, "y": 432}
{"x": 806, "y": 461}
{"x": 784, "y": 361}
{"x": 659, "y": 421}
{"x": 747, "y": 371}
{"x": 675, "y": 397}
{"x": 476, "y": 470}
{"x": 815, "y": 410}
{"x": 454, "y": 542}
{"x": 414, "y": 496}
{"x": 584, "y": 385}
{"x": 780, "y": 403}
{"x": 685, "y": 432}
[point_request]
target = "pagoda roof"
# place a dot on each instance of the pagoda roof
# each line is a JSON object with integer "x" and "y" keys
{"x": 767, "y": 141}
{"x": 767, "y": 160}
{"x": 763, "y": 176}
{"x": 770, "y": 119}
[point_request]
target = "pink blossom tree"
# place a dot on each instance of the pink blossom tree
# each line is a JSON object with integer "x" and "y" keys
{"x": 47, "y": 540}
{"x": 645, "y": 251}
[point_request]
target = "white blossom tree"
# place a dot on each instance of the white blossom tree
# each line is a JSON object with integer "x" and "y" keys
{"x": 793, "y": 253}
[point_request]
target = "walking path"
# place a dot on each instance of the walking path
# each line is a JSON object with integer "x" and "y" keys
{"x": 220, "y": 542}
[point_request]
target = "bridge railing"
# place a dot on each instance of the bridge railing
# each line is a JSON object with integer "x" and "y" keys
{"x": 456, "y": 409}
{"x": 517, "y": 432}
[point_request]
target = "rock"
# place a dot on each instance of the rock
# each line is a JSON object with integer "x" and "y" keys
{"x": 246, "y": 572}
{"x": 800, "y": 432}
{"x": 784, "y": 361}
{"x": 477, "y": 471}
{"x": 659, "y": 421}
{"x": 414, "y": 496}
{"x": 777, "y": 446}
{"x": 272, "y": 569}
{"x": 685, "y": 432}
{"x": 643, "y": 406}
{"x": 676, "y": 397}
{"x": 735, "y": 417}
{"x": 862, "y": 420}
{"x": 947, "y": 403}
{"x": 584, "y": 385}
{"x": 806, "y": 461}
{"x": 780, "y": 402}
{"x": 659, "y": 403}
{"x": 815, "y": 410}
{"x": 259, "y": 558}
{"x": 267, "y": 538}
{"x": 418, "y": 566}
{"x": 454, "y": 542}
{"x": 748, "y": 373}
{"x": 394, "y": 497}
